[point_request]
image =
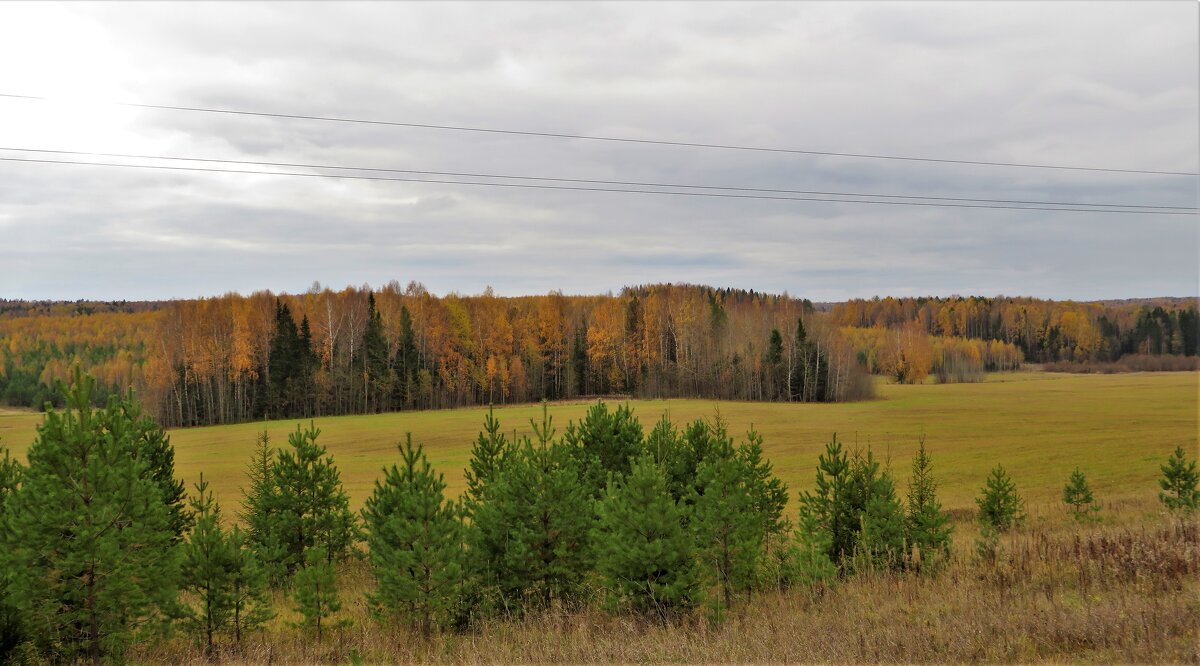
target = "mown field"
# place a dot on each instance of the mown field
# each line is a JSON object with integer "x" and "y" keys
{"x": 1117, "y": 428}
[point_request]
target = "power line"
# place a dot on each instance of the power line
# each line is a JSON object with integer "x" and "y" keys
{"x": 720, "y": 195}
{"x": 587, "y": 180}
{"x": 590, "y": 137}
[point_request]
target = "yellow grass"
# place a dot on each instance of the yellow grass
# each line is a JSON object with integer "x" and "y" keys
{"x": 1117, "y": 428}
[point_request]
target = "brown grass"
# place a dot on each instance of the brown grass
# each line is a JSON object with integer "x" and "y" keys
{"x": 1125, "y": 593}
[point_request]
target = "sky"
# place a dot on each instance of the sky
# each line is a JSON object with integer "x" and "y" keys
{"x": 1102, "y": 85}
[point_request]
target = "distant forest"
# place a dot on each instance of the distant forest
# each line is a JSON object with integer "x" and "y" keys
{"x": 237, "y": 358}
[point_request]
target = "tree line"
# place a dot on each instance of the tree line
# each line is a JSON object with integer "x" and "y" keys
{"x": 1044, "y": 331}
{"x": 238, "y": 358}
{"x": 101, "y": 547}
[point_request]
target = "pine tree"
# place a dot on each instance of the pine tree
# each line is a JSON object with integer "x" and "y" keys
{"x": 487, "y": 457}
{"x": 316, "y": 591}
{"x": 312, "y": 508}
{"x": 207, "y": 560}
{"x": 881, "y": 537}
{"x": 642, "y": 551}
{"x": 927, "y": 527}
{"x": 807, "y": 562}
{"x": 728, "y": 536}
{"x": 830, "y": 504}
{"x": 529, "y": 537}
{"x": 91, "y": 549}
{"x": 260, "y": 512}
{"x": 1179, "y": 492}
{"x": 414, "y": 537}
{"x": 11, "y": 630}
{"x": 606, "y": 442}
{"x": 1077, "y": 495}
{"x": 153, "y": 445}
{"x": 373, "y": 362}
{"x": 1000, "y": 506}
{"x": 249, "y": 606}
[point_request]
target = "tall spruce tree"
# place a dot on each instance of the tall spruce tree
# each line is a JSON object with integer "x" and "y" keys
{"x": 643, "y": 553}
{"x": 414, "y": 535}
{"x": 1179, "y": 492}
{"x": 926, "y": 525}
{"x": 373, "y": 362}
{"x": 405, "y": 363}
{"x": 90, "y": 546}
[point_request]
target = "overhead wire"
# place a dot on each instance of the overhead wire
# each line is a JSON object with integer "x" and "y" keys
{"x": 723, "y": 195}
{"x": 582, "y": 180}
{"x": 617, "y": 139}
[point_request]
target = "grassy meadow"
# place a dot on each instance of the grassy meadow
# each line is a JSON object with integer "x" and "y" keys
{"x": 1117, "y": 428}
{"x": 1121, "y": 591}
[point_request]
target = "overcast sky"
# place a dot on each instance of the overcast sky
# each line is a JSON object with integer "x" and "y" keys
{"x": 1111, "y": 85}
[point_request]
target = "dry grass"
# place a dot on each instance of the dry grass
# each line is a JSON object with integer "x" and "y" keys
{"x": 1057, "y": 593}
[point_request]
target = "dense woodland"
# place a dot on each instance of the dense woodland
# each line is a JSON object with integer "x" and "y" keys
{"x": 236, "y": 358}
{"x": 1043, "y": 331}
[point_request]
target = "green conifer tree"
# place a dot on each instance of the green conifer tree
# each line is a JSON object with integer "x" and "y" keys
{"x": 414, "y": 536}
{"x": 830, "y": 504}
{"x": 260, "y": 512}
{"x": 643, "y": 553}
{"x": 529, "y": 537}
{"x": 1179, "y": 492}
{"x": 316, "y": 591}
{"x": 881, "y": 537}
{"x": 927, "y": 527}
{"x": 1000, "y": 506}
{"x": 487, "y": 456}
{"x": 728, "y": 535}
{"x": 1077, "y": 495}
{"x": 207, "y": 560}
{"x": 11, "y": 630}
{"x": 605, "y": 442}
{"x": 807, "y": 563}
{"x": 249, "y": 605}
{"x": 312, "y": 509}
{"x": 91, "y": 548}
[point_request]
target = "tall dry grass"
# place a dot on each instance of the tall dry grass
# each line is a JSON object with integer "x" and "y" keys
{"x": 1124, "y": 593}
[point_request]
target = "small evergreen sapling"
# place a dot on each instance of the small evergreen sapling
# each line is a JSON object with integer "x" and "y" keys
{"x": 249, "y": 606}
{"x": 1077, "y": 495}
{"x": 999, "y": 504}
{"x": 927, "y": 526}
{"x": 207, "y": 560}
{"x": 316, "y": 591}
{"x": 1179, "y": 492}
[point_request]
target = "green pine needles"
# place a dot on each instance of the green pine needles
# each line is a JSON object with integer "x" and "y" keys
{"x": 89, "y": 545}
{"x": 415, "y": 539}
{"x": 1077, "y": 495}
{"x": 1179, "y": 493}
{"x": 1000, "y": 506}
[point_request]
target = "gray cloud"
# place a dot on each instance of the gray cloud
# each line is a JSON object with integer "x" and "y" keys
{"x": 1094, "y": 85}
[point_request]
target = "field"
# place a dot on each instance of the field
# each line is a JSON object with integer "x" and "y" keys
{"x": 1117, "y": 428}
{"x": 1122, "y": 591}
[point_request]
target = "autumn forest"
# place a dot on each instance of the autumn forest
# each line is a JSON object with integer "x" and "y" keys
{"x": 324, "y": 352}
